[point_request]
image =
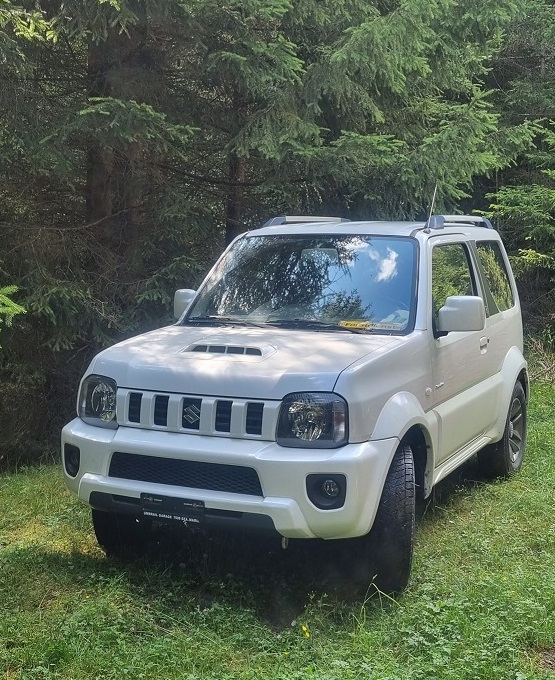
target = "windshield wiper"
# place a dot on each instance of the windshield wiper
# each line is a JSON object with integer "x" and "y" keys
{"x": 281, "y": 323}
{"x": 223, "y": 320}
{"x": 317, "y": 325}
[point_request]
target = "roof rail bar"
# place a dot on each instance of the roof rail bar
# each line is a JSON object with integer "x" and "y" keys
{"x": 475, "y": 220}
{"x": 434, "y": 222}
{"x": 300, "y": 219}
{"x": 440, "y": 221}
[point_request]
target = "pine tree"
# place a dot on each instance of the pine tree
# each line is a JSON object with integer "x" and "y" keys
{"x": 140, "y": 135}
{"x": 523, "y": 196}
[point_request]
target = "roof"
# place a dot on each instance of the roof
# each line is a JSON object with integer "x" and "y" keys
{"x": 438, "y": 224}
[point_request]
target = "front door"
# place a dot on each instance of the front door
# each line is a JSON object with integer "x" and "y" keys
{"x": 459, "y": 359}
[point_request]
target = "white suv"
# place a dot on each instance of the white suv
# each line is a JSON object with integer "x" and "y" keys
{"x": 325, "y": 374}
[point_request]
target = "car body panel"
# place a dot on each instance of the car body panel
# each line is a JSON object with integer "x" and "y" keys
{"x": 453, "y": 389}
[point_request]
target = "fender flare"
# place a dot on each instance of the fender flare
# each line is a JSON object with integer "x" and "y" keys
{"x": 402, "y": 413}
{"x": 514, "y": 368}
{"x": 399, "y": 414}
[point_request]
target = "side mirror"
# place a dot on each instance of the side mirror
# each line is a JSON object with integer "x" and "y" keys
{"x": 462, "y": 313}
{"x": 181, "y": 301}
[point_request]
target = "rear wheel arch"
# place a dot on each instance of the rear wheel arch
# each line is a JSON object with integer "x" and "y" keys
{"x": 514, "y": 370}
{"x": 504, "y": 457}
{"x": 524, "y": 380}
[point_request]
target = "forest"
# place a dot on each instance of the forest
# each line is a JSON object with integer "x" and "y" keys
{"x": 138, "y": 137}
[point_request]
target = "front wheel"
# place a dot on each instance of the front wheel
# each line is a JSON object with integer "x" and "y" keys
{"x": 504, "y": 458}
{"x": 386, "y": 551}
{"x": 118, "y": 534}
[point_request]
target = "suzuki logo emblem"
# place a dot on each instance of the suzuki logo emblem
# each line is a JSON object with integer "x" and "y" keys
{"x": 191, "y": 414}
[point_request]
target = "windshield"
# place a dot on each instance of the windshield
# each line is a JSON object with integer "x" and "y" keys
{"x": 360, "y": 283}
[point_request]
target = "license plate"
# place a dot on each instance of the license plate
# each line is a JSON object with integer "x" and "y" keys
{"x": 167, "y": 509}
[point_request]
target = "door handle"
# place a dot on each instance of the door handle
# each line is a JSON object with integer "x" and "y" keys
{"x": 484, "y": 342}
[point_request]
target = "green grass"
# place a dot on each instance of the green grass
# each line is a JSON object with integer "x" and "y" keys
{"x": 480, "y": 605}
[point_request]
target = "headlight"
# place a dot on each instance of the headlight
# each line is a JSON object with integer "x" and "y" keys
{"x": 97, "y": 401}
{"x": 313, "y": 420}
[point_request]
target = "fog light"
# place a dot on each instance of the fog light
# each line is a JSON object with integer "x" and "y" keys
{"x": 72, "y": 459}
{"x": 330, "y": 488}
{"x": 327, "y": 492}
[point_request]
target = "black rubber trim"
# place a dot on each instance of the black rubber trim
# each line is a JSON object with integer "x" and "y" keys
{"x": 215, "y": 519}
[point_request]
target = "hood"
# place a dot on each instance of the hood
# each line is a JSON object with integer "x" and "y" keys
{"x": 232, "y": 361}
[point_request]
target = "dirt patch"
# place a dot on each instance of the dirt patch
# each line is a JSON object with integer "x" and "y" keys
{"x": 547, "y": 658}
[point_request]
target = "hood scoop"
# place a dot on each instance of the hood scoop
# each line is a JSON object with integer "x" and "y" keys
{"x": 225, "y": 349}
{"x": 214, "y": 348}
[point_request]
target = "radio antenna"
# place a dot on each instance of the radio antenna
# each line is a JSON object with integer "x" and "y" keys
{"x": 433, "y": 202}
{"x": 428, "y": 227}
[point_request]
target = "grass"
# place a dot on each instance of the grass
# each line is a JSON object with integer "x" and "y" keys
{"x": 480, "y": 605}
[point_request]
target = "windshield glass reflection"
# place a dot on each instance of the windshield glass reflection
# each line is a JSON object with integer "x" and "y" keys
{"x": 351, "y": 282}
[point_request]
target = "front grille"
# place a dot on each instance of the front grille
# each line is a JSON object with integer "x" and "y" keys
{"x": 238, "y": 418}
{"x": 254, "y": 418}
{"x": 135, "y": 399}
{"x": 161, "y": 409}
{"x": 223, "y": 416}
{"x": 190, "y": 418}
{"x": 187, "y": 473}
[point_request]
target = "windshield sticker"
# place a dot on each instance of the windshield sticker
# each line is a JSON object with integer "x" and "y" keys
{"x": 369, "y": 325}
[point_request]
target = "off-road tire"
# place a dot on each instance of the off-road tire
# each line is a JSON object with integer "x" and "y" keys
{"x": 390, "y": 542}
{"x": 504, "y": 458}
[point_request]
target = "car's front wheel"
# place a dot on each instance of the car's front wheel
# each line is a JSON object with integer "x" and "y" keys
{"x": 384, "y": 556}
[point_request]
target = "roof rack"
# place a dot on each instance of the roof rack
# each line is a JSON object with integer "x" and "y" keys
{"x": 440, "y": 221}
{"x": 300, "y": 219}
{"x": 476, "y": 220}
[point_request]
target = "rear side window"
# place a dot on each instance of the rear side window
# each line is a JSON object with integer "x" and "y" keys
{"x": 496, "y": 275}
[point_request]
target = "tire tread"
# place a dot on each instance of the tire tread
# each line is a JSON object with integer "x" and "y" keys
{"x": 392, "y": 536}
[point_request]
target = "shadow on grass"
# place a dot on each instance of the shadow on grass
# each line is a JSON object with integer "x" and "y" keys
{"x": 451, "y": 491}
{"x": 182, "y": 571}
{"x": 199, "y": 570}
{"x": 255, "y": 571}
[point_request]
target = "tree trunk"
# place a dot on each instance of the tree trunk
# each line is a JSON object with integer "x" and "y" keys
{"x": 116, "y": 174}
{"x": 100, "y": 159}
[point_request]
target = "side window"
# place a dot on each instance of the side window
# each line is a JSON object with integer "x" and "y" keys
{"x": 451, "y": 274}
{"x": 495, "y": 272}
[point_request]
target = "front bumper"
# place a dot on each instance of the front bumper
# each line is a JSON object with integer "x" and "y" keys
{"x": 284, "y": 502}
